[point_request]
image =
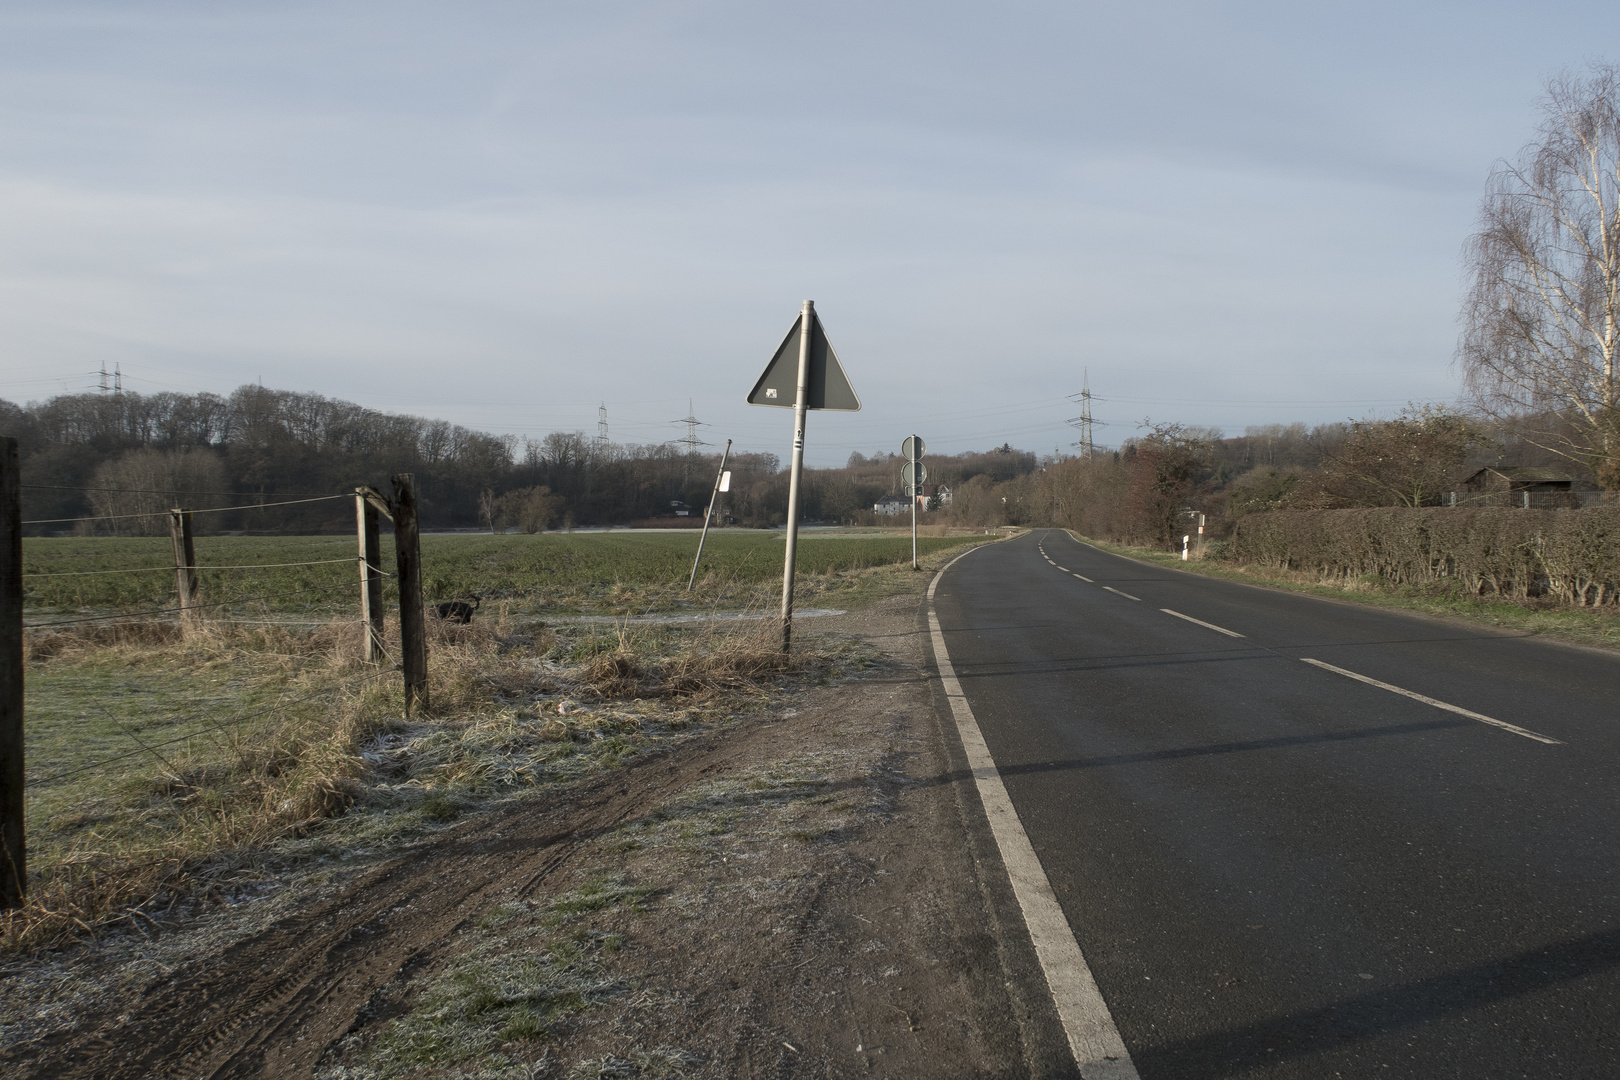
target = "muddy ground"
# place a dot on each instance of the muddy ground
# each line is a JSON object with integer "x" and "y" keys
{"x": 806, "y": 892}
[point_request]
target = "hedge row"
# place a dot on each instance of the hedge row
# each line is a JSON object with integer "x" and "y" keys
{"x": 1573, "y": 555}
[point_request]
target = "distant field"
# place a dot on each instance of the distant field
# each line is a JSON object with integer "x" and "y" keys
{"x": 580, "y": 570}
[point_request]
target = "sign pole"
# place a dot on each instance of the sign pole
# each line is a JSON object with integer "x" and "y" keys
{"x": 912, "y": 477}
{"x": 807, "y": 318}
{"x": 713, "y": 495}
{"x": 914, "y": 530}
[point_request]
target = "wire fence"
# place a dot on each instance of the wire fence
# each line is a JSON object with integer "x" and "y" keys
{"x": 177, "y": 610}
{"x": 199, "y": 566}
{"x": 228, "y": 726}
{"x": 165, "y": 513}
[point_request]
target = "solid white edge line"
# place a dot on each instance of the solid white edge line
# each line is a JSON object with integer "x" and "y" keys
{"x": 1126, "y": 595}
{"x": 1098, "y": 1050}
{"x": 1481, "y": 717}
{"x": 1201, "y": 622}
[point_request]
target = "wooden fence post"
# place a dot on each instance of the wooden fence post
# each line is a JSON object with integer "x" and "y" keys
{"x": 408, "y": 560}
{"x": 185, "y": 565}
{"x": 366, "y": 502}
{"x": 13, "y": 845}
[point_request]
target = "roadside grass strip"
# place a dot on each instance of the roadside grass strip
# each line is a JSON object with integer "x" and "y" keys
{"x": 1126, "y": 595}
{"x": 1201, "y": 622}
{"x": 1481, "y": 717}
{"x": 1094, "y": 1040}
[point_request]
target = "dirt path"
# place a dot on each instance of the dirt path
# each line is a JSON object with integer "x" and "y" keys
{"x": 796, "y": 895}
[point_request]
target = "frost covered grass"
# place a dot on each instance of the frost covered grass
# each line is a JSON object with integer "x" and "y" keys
{"x": 160, "y": 765}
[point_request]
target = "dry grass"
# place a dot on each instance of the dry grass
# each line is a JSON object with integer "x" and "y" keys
{"x": 242, "y": 783}
{"x": 510, "y": 707}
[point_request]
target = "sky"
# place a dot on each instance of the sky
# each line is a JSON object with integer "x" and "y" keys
{"x": 509, "y": 214}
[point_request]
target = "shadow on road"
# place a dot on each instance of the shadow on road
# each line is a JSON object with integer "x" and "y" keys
{"x": 1367, "y": 1016}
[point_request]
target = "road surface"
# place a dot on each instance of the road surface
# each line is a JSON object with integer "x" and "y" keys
{"x": 1301, "y": 838}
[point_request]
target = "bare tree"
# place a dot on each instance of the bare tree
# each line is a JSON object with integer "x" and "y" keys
{"x": 1541, "y": 317}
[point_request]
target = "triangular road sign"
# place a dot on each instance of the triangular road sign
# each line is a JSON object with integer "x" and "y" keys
{"x": 829, "y": 388}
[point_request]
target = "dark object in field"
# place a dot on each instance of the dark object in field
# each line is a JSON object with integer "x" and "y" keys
{"x": 459, "y": 611}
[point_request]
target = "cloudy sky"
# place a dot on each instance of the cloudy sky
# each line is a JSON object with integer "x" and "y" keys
{"x": 505, "y": 214}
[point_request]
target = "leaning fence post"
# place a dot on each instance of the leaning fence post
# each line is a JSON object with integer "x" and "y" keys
{"x": 366, "y": 502}
{"x": 13, "y": 845}
{"x": 408, "y": 560}
{"x": 185, "y": 565}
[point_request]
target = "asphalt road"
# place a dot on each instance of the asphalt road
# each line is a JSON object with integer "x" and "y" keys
{"x": 1276, "y": 870}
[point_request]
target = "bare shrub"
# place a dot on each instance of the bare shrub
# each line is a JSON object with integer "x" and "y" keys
{"x": 1572, "y": 556}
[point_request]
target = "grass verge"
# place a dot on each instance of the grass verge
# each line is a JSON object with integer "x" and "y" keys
{"x": 168, "y": 771}
{"x": 1588, "y": 626}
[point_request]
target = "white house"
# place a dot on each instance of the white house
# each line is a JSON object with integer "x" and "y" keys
{"x": 891, "y": 505}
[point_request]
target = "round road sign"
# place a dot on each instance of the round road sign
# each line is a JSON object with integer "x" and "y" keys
{"x": 912, "y": 448}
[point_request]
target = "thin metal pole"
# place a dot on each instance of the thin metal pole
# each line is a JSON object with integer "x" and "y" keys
{"x": 713, "y": 495}
{"x": 914, "y": 527}
{"x": 806, "y": 319}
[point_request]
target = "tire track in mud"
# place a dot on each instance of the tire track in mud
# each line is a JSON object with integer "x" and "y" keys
{"x": 271, "y": 1005}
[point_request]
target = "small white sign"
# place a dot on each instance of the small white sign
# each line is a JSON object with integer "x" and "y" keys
{"x": 725, "y": 480}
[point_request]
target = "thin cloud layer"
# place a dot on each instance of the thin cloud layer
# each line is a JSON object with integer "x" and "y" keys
{"x": 503, "y": 214}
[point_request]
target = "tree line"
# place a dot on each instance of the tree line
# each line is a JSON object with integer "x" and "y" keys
{"x": 114, "y": 463}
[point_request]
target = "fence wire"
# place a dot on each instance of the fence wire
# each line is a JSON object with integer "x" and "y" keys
{"x": 222, "y": 727}
{"x": 198, "y": 567}
{"x": 194, "y": 607}
{"x": 204, "y": 510}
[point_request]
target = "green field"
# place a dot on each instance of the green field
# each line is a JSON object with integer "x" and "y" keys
{"x": 576, "y": 572}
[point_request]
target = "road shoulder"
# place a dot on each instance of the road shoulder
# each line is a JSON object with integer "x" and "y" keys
{"x": 805, "y": 892}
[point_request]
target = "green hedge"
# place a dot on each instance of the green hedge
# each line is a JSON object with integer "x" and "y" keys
{"x": 1573, "y": 555}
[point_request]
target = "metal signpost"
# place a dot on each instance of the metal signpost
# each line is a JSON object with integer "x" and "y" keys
{"x": 914, "y": 474}
{"x": 722, "y": 482}
{"x": 806, "y": 371}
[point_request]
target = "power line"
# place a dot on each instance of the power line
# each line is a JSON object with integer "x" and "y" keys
{"x": 1084, "y": 421}
{"x": 692, "y": 424}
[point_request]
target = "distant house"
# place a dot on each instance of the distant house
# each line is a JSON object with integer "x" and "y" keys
{"x": 891, "y": 505}
{"x": 1519, "y": 486}
{"x": 944, "y": 494}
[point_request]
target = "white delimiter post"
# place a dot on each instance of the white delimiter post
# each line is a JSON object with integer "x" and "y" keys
{"x": 806, "y": 316}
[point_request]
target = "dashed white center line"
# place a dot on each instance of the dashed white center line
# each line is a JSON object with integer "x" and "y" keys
{"x": 1126, "y": 595}
{"x": 1082, "y": 577}
{"x": 1481, "y": 717}
{"x": 1065, "y": 569}
{"x": 1201, "y": 622}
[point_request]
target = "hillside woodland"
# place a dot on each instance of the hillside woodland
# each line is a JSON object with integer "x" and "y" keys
{"x": 90, "y": 459}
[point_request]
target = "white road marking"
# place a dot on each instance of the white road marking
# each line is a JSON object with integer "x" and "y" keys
{"x": 1126, "y": 595}
{"x": 1082, "y": 577}
{"x": 1093, "y": 1038}
{"x": 1201, "y": 622}
{"x": 1065, "y": 569}
{"x": 1481, "y": 717}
